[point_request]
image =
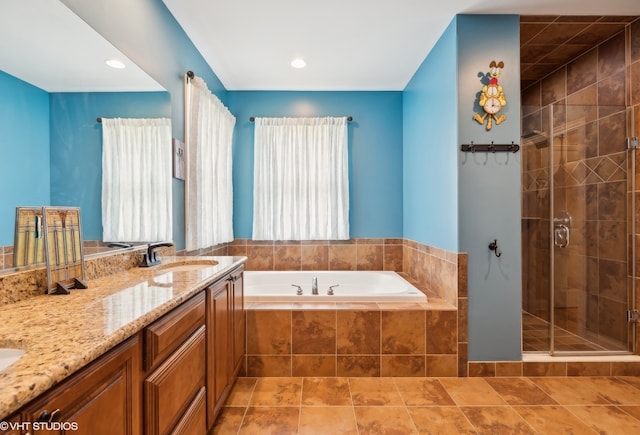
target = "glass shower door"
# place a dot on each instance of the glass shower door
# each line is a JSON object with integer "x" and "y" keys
{"x": 591, "y": 225}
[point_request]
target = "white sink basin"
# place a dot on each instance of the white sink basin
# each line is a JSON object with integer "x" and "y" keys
{"x": 8, "y": 356}
{"x": 187, "y": 265}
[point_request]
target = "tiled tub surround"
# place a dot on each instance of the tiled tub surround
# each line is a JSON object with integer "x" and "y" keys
{"x": 441, "y": 274}
{"x": 353, "y": 254}
{"x": 62, "y": 334}
{"x": 350, "y": 339}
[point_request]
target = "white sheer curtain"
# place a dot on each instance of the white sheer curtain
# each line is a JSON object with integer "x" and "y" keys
{"x": 301, "y": 180}
{"x": 209, "y": 188}
{"x": 136, "y": 180}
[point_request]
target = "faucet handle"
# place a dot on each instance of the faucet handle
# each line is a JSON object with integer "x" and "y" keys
{"x": 330, "y": 291}
{"x": 299, "y": 291}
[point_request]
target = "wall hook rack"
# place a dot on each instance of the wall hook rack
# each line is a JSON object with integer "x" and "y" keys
{"x": 493, "y": 246}
{"x": 492, "y": 148}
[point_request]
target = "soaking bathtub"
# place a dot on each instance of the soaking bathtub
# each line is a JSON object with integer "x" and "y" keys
{"x": 352, "y": 286}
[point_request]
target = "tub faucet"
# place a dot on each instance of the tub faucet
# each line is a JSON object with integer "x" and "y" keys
{"x": 314, "y": 285}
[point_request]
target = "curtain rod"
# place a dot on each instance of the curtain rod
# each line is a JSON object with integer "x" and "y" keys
{"x": 190, "y": 75}
{"x": 253, "y": 118}
{"x": 99, "y": 120}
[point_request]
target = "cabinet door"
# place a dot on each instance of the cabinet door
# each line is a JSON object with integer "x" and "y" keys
{"x": 222, "y": 342}
{"x": 173, "y": 387}
{"x": 14, "y": 425}
{"x": 102, "y": 398}
{"x": 219, "y": 347}
{"x": 238, "y": 321}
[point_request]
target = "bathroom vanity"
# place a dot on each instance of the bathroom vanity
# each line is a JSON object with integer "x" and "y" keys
{"x": 159, "y": 351}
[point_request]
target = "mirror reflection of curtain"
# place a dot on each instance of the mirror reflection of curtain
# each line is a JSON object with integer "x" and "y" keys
{"x": 301, "y": 179}
{"x": 209, "y": 189}
{"x": 136, "y": 180}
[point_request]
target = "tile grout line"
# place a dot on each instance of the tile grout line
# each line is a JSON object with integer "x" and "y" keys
{"x": 246, "y": 409}
{"x": 353, "y": 408}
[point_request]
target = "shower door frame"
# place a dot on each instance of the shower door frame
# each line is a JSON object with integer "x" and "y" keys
{"x": 630, "y": 152}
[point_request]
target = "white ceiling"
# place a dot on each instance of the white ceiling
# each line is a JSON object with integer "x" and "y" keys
{"x": 44, "y": 43}
{"x": 348, "y": 44}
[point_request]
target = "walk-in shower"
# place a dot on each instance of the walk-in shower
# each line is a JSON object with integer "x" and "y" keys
{"x": 578, "y": 228}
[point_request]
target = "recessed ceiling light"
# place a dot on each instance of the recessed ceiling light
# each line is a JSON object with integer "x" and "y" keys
{"x": 298, "y": 63}
{"x": 115, "y": 63}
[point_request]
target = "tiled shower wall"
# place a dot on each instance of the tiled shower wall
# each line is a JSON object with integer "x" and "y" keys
{"x": 586, "y": 101}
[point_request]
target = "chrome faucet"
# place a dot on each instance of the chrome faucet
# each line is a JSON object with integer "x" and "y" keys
{"x": 314, "y": 285}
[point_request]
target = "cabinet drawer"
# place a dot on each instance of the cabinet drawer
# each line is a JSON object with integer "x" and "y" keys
{"x": 164, "y": 335}
{"x": 194, "y": 420}
{"x": 172, "y": 387}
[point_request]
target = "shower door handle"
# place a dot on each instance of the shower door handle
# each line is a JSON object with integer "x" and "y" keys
{"x": 561, "y": 235}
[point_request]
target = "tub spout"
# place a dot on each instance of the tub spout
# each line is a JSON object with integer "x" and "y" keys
{"x": 314, "y": 285}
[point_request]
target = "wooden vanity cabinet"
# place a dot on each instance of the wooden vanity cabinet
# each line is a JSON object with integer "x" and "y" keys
{"x": 172, "y": 377}
{"x": 175, "y": 360}
{"x": 102, "y": 398}
{"x": 15, "y": 425}
{"x": 225, "y": 339}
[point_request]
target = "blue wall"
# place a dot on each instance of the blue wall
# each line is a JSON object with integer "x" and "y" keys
{"x": 146, "y": 32}
{"x": 489, "y": 189}
{"x": 461, "y": 201}
{"x": 430, "y": 115}
{"x": 76, "y": 146}
{"x": 24, "y": 136}
{"x": 375, "y": 152}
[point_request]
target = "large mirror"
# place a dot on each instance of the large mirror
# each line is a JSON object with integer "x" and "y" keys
{"x": 54, "y": 84}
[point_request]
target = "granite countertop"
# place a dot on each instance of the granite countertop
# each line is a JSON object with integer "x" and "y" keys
{"x": 61, "y": 334}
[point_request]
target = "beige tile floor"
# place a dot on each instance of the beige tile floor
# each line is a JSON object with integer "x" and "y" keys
{"x": 518, "y": 405}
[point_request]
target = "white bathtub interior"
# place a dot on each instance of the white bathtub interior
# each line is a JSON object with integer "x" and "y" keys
{"x": 352, "y": 286}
